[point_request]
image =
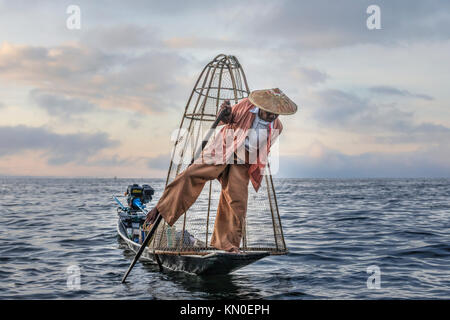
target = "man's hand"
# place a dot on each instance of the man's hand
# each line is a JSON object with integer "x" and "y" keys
{"x": 226, "y": 105}
{"x": 151, "y": 216}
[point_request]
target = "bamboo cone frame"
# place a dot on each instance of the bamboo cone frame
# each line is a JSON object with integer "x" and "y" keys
{"x": 222, "y": 66}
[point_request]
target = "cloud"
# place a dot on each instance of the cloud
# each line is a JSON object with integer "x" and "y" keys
{"x": 155, "y": 6}
{"x": 386, "y": 122}
{"x": 331, "y": 24}
{"x": 36, "y": 63}
{"x": 147, "y": 81}
{"x": 417, "y": 133}
{"x": 205, "y": 43}
{"x": 111, "y": 161}
{"x": 61, "y": 106}
{"x": 328, "y": 163}
{"x": 134, "y": 123}
{"x": 161, "y": 161}
{"x": 339, "y": 108}
{"x": 308, "y": 75}
{"x": 145, "y": 57}
{"x": 388, "y": 90}
{"x": 59, "y": 148}
{"x": 127, "y": 36}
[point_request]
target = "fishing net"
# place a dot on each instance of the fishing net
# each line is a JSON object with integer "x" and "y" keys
{"x": 222, "y": 79}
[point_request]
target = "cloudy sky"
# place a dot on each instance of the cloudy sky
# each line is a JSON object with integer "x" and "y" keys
{"x": 103, "y": 100}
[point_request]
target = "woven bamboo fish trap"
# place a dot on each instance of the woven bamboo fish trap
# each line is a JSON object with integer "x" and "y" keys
{"x": 221, "y": 79}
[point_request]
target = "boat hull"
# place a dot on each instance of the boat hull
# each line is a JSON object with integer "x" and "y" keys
{"x": 212, "y": 263}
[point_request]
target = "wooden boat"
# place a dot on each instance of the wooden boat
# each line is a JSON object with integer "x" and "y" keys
{"x": 201, "y": 262}
{"x": 189, "y": 250}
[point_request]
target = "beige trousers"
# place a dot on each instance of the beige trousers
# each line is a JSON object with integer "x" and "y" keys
{"x": 187, "y": 186}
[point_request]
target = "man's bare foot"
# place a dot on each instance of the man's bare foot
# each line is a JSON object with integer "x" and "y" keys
{"x": 151, "y": 216}
{"x": 234, "y": 250}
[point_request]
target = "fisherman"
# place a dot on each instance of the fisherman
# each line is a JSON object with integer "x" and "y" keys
{"x": 252, "y": 126}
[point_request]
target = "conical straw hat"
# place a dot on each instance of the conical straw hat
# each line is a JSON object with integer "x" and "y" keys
{"x": 273, "y": 100}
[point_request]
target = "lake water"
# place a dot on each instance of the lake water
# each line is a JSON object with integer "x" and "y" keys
{"x": 334, "y": 230}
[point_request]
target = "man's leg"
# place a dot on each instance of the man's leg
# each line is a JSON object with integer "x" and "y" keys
{"x": 232, "y": 208}
{"x": 182, "y": 192}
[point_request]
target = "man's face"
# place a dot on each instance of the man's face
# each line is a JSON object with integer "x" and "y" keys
{"x": 267, "y": 116}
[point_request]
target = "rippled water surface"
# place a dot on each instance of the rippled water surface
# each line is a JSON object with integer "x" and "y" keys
{"x": 334, "y": 229}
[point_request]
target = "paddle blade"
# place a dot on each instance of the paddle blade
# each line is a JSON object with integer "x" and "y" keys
{"x": 142, "y": 248}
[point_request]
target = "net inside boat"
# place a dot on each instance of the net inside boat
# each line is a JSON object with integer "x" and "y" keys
{"x": 222, "y": 79}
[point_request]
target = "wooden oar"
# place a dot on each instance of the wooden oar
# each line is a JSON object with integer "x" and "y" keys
{"x": 224, "y": 113}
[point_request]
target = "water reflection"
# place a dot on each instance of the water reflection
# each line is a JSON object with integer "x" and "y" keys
{"x": 228, "y": 286}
